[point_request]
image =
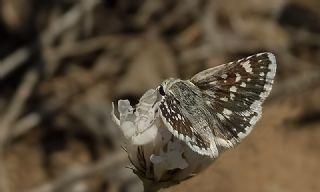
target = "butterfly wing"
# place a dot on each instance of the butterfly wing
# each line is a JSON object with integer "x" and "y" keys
{"x": 235, "y": 92}
{"x": 178, "y": 121}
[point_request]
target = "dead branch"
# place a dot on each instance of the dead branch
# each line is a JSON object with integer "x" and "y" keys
{"x": 59, "y": 26}
{"x": 68, "y": 20}
{"x": 14, "y": 61}
{"x": 15, "y": 109}
{"x": 25, "y": 124}
{"x": 18, "y": 103}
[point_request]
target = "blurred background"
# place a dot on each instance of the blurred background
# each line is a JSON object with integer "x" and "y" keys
{"x": 64, "y": 61}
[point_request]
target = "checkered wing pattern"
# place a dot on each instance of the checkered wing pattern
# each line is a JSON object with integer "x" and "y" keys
{"x": 218, "y": 107}
{"x": 235, "y": 92}
{"x": 176, "y": 120}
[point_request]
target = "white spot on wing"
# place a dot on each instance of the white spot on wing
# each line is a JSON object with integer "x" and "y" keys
{"x": 253, "y": 120}
{"x": 238, "y": 77}
{"x": 242, "y": 135}
{"x": 223, "y": 142}
{"x": 181, "y": 137}
{"x": 246, "y": 113}
{"x": 233, "y": 89}
{"x": 256, "y": 106}
{"x": 243, "y": 84}
{"x": 272, "y": 66}
{"x": 247, "y": 66}
{"x": 224, "y": 99}
{"x": 232, "y": 96}
{"x": 220, "y": 116}
{"x": 227, "y": 112}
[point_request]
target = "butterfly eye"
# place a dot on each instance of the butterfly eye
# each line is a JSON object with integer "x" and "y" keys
{"x": 161, "y": 91}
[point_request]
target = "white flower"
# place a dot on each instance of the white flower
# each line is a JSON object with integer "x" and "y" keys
{"x": 156, "y": 154}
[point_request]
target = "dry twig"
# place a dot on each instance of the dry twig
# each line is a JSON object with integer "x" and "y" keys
{"x": 14, "y": 110}
{"x": 14, "y": 61}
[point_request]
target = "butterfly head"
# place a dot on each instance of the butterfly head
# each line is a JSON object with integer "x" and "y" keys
{"x": 165, "y": 85}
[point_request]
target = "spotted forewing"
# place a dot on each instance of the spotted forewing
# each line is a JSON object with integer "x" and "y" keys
{"x": 218, "y": 107}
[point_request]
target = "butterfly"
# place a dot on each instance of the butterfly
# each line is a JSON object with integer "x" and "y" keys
{"x": 218, "y": 107}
